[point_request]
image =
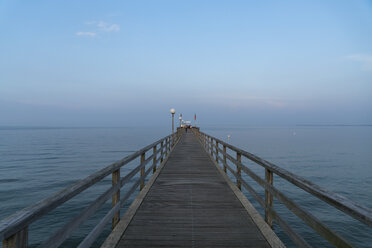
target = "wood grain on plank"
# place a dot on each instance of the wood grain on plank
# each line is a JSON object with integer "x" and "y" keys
{"x": 191, "y": 205}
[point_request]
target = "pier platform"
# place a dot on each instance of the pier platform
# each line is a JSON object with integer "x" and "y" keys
{"x": 190, "y": 204}
{"x": 188, "y": 188}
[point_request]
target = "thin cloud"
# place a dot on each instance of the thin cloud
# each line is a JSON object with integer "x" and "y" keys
{"x": 241, "y": 100}
{"x": 107, "y": 27}
{"x": 276, "y": 104}
{"x": 90, "y": 34}
{"x": 365, "y": 60}
{"x": 99, "y": 28}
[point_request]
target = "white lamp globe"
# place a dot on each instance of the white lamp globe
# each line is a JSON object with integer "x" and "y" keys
{"x": 172, "y": 111}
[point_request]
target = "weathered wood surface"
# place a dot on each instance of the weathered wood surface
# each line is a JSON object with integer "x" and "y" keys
{"x": 268, "y": 197}
{"x": 18, "y": 240}
{"x": 271, "y": 191}
{"x": 344, "y": 204}
{"x": 115, "y": 197}
{"x": 191, "y": 205}
{"x": 21, "y": 219}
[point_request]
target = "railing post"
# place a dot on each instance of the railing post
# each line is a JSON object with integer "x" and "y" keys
{"x": 154, "y": 159}
{"x": 239, "y": 170}
{"x": 115, "y": 197}
{"x": 212, "y": 146}
{"x": 17, "y": 240}
{"x": 217, "y": 151}
{"x": 161, "y": 151}
{"x": 224, "y": 158}
{"x": 142, "y": 171}
{"x": 166, "y": 147}
{"x": 269, "y": 176}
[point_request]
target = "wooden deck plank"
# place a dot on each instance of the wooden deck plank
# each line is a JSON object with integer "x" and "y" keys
{"x": 191, "y": 205}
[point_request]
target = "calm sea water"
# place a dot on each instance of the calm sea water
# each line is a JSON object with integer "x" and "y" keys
{"x": 37, "y": 162}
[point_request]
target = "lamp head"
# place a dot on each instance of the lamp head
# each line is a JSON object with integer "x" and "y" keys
{"x": 173, "y": 111}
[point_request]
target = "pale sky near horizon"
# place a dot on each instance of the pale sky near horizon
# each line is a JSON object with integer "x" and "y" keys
{"x": 118, "y": 63}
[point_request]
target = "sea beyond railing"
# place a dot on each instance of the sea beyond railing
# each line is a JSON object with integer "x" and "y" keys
{"x": 14, "y": 230}
{"x": 215, "y": 147}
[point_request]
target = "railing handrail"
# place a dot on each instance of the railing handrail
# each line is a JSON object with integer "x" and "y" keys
{"x": 21, "y": 219}
{"x": 355, "y": 210}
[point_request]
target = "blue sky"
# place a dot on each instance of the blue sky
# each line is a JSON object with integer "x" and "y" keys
{"x": 117, "y": 63}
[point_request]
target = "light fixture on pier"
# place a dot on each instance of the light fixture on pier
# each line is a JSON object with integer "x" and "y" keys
{"x": 180, "y": 118}
{"x": 173, "y": 111}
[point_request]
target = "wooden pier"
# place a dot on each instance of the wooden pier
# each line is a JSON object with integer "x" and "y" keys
{"x": 191, "y": 204}
{"x": 192, "y": 199}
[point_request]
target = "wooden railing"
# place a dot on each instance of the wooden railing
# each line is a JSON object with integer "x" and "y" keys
{"x": 14, "y": 229}
{"x": 216, "y": 147}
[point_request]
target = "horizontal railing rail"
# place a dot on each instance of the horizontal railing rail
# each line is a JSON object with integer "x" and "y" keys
{"x": 357, "y": 211}
{"x": 14, "y": 229}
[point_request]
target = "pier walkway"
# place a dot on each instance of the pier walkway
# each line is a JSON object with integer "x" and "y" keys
{"x": 190, "y": 204}
{"x": 188, "y": 189}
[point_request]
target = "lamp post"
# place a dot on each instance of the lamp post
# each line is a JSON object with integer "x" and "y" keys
{"x": 173, "y": 111}
{"x": 180, "y": 118}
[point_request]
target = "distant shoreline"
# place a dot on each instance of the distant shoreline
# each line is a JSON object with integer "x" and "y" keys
{"x": 334, "y": 125}
{"x": 160, "y": 127}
